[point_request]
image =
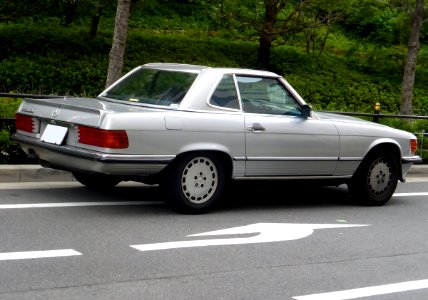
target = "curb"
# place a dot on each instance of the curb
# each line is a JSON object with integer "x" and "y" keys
{"x": 33, "y": 173}
{"x": 36, "y": 173}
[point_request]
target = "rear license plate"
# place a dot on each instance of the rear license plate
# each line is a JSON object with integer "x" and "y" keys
{"x": 54, "y": 134}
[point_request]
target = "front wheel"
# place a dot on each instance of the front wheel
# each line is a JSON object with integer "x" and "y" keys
{"x": 195, "y": 183}
{"x": 375, "y": 181}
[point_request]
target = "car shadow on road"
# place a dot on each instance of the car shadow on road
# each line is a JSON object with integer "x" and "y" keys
{"x": 284, "y": 193}
{"x": 239, "y": 195}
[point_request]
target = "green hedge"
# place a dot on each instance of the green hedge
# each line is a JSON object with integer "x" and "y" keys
{"x": 64, "y": 61}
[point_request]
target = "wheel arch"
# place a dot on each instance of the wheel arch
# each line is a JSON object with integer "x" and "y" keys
{"x": 224, "y": 157}
{"x": 390, "y": 147}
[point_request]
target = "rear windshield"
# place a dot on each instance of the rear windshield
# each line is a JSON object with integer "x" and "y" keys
{"x": 154, "y": 87}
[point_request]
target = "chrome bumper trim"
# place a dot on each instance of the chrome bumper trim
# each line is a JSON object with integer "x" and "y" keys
{"x": 411, "y": 160}
{"x": 93, "y": 155}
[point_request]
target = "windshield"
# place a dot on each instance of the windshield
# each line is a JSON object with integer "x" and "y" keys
{"x": 155, "y": 87}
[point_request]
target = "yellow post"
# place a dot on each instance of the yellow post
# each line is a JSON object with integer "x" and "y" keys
{"x": 376, "y": 112}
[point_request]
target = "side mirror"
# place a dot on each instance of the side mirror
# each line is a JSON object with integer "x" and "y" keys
{"x": 306, "y": 111}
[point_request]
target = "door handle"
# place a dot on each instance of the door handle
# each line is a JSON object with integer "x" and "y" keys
{"x": 256, "y": 127}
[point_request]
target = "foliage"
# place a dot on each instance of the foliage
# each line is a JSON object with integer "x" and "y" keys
{"x": 351, "y": 77}
{"x": 9, "y": 151}
{"x": 377, "y": 21}
{"x": 51, "y": 60}
{"x": 8, "y": 106}
{"x": 43, "y": 53}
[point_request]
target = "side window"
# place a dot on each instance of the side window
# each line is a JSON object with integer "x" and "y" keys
{"x": 266, "y": 96}
{"x": 225, "y": 94}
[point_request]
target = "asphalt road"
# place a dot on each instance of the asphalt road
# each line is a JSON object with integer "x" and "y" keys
{"x": 279, "y": 241}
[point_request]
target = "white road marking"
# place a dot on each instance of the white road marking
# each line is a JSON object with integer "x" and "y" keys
{"x": 59, "y": 185}
{"x": 411, "y": 194}
{"x": 38, "y": 185}
{"x": 76, "y": 204}
{"x": 368, "y": 291}
{"x": 38, "y": 254}
{"x": 265, "y": 233}
{"x": 125, "y": 203}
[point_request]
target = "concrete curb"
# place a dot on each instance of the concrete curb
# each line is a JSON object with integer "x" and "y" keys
{"x": 33, "y": 173}
{"x": 36, "y": 173}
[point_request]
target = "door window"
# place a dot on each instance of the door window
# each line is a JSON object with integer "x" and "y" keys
{"x": 266, "y": 96}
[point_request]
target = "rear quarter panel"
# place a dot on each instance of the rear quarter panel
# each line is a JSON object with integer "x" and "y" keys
{"x": 175, "y": 132}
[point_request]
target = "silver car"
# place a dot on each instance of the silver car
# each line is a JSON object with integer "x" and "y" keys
{"x": 192, "y": 129}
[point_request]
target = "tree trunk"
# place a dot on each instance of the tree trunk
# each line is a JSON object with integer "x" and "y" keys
{"x": 95, "y": 20}
{"x": 272, "y": 7}
{"x": 117, "y": 51}
{"x": 70, "y": 11}
{"x": 412, "y": 59}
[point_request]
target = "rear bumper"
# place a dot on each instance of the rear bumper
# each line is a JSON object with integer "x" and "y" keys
{"x": 75, "y": 159}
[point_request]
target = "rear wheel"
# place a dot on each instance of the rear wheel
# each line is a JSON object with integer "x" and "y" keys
{"x": 195, "y": 183}
{"x": 376, "y": 179}
{"x": 96, "y": 181}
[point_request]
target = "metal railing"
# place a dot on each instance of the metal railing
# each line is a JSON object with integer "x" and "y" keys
{"x": 421, "y": 142}
{"x": 376, "y": 116}
{"x": 11, "y": 95}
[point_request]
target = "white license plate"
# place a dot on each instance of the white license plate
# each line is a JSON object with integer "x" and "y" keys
{"x": 54, "y": 134}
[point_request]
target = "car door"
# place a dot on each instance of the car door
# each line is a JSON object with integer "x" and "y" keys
{"x": 279, "y": 141}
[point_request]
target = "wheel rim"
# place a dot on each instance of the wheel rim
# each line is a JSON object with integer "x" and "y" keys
{"x": 379, "y": 177}
{"x": 199, "y": 180}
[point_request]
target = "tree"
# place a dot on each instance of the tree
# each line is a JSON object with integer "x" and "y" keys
{"x": 117, "y": 51}
{"x": 285, "y": 18}
{"x": 70, "y": 11}
{"x": 12, "y": 10}
{"x": 318, "y": 18}
{"x": 417, "y": 20}
{"x": 99, "y": 7}
{"x": 267, "y": 35}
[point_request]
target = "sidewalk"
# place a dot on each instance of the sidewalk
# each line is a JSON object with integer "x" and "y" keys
{"x": 36, "y": 173}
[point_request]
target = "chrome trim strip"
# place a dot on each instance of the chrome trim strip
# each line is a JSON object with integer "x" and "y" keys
{"x": 411, "y": 159}
{"x": 350, "y": 158}
{"x": 240, "y": 158}
{"x": 291, "y": 177}
{"x": 292, "y": 158}
{"x": 93, "y": 155}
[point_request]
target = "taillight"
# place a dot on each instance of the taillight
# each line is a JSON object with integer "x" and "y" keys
{"x": 27, "y": 123}
{"x": 115, "y": 139}
{"x": 413, "y": 145}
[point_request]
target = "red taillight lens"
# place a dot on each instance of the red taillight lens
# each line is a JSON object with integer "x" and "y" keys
{"x": 115, "y": 139}
{"x": 413, "y": 145}
{"x": 27, "y": 123}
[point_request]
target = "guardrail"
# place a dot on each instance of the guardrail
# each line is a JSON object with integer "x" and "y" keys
{"x": 12, "y": 95}
{"x": 8, "y": 121}
{"x": 377, "y": 116}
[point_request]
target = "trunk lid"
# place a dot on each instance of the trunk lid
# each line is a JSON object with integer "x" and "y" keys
{"x": 85, "y": 111}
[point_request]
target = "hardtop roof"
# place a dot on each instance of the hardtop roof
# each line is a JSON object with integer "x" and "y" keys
{"x": 200, "y": 68}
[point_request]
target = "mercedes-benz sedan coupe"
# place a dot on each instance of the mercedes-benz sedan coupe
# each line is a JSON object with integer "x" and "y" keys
{"x": 193, "y": 129}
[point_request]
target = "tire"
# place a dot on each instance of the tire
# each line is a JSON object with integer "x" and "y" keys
{"x": 375, "y": 180}
{"x": 195, "y": 183}
{"x": 96, "y": 181}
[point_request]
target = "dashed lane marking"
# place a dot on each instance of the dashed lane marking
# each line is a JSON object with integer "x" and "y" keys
{"x": 368, "y": 291}
{"x": 38, "y": 254}
{"x": 77, "y": 204}
{"x": 411, "y": 194}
